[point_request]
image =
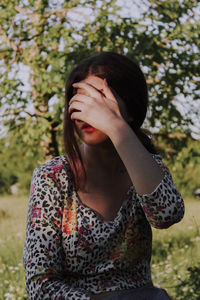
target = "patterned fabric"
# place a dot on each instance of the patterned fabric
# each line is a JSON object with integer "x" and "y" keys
{"x": 70, "y": 252}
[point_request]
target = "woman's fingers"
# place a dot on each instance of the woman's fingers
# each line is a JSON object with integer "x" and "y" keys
{"x": 79, "y": 98}
{"x": 107, "y": 91}
{"x": 75, "y": 105}
{"x": 91, "y": 90}
{"x": 77, "y": 116}
{"x": 96, "y": 100}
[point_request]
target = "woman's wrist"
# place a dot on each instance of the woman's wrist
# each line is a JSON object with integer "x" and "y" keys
{"x": 115, "y": 126}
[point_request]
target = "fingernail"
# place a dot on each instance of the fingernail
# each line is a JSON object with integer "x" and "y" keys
{"x": 105, "y": 82}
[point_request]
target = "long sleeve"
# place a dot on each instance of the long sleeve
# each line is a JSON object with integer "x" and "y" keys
{"x": 43, "y": 256}
{"x": 164, "y": 206}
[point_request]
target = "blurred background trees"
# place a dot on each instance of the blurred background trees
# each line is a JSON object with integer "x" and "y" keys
{"x": 40, "y": 41}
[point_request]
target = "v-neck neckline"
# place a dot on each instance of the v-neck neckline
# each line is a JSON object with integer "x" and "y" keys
{"x": 97, "y": 214}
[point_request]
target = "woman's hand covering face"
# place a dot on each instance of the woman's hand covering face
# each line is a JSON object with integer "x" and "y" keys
{"x": 94, "y": 103}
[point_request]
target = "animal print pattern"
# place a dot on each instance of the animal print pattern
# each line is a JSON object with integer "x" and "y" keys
{"x": 71, "y": 253}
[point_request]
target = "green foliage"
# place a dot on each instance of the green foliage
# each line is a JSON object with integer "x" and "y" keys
{"x": 161, "y": 250}
{"x": 3, "y": 214}
{"x": 45, "y": 38}
{"x": 186, "y": 168}
{"x": 19, "y": 156}
{"x": 189, "y": 287}
{"x": 183, "y": 159}
{"x": 12, "y": 231}
{"x": 7, "y": 178}
{"x": 164, "y": 41}
{"x": 176, "y": 255}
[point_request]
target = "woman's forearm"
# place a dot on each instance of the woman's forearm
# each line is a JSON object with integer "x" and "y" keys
{"x": 144, "y": 172}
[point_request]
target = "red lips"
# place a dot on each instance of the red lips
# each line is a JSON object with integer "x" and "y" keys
{"x": 85, "y": 125}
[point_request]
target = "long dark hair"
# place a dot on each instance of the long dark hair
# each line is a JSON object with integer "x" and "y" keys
{"x": 123, "y": 76}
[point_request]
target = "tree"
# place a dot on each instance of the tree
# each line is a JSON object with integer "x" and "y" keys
{"x": 19, "y": 155}
{"x": 49, "y": 38}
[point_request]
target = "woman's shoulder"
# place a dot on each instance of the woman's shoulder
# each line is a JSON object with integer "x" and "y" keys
{"x": 58, "y": 166}
{"x": 57, "y": 162}
{"x": 51, "y": 181}
{"x": 162, "y": 164}
{"x": 157, "y": 157}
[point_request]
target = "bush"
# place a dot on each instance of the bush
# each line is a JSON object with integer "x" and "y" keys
{"x": 182, "y": 155}
{"x": 189, "y": 287}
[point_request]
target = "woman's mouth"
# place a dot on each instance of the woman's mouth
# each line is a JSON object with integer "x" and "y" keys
{"x": 88, "y": 129}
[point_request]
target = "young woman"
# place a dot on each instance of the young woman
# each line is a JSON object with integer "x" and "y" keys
{"x": 90, "y": 212}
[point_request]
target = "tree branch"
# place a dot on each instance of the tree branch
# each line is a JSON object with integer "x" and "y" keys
{"x": 6, "y": 39}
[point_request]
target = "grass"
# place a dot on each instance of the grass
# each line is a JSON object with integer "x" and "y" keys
{"x": 12, "y": 234}
{"x": 175, "y": 251}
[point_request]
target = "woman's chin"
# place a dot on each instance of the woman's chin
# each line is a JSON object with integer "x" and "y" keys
{"x": 95, "y": 138}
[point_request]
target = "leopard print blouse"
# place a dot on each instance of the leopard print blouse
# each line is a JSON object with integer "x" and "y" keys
{"x": 71, "y": 253}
